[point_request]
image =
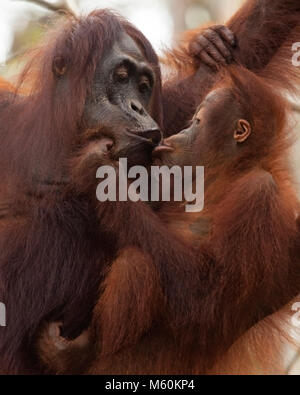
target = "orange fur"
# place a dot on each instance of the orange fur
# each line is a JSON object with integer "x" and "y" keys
{"x": 245, "y": 269}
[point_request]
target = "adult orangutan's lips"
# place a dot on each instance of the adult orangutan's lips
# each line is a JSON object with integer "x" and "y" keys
{"x": 163, "y": 147}
{"x": 152, "y": 136}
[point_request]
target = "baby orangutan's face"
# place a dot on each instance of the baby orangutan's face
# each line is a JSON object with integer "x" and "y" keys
{"x": 216, "y": 127}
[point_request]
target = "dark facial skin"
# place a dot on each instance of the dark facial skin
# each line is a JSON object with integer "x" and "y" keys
{"x": 216, "y": 132}
{"x": 120, "y": 104}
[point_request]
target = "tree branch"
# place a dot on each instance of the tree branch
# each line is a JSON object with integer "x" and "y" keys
{"x": 68, "y": 5}
{"x": 48, "y": 6}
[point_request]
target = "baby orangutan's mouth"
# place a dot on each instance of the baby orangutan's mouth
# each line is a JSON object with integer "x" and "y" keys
{"x": 162, "y": 148}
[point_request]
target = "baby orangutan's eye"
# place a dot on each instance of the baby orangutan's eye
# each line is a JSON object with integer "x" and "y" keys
{"x": 198, "y": 116}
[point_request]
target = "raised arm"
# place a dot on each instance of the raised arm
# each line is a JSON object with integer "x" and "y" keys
{"x": 260, "y": 28}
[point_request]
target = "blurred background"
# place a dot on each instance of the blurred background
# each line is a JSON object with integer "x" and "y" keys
{"x": 22, "y": 23}
{"x": 160, "y": 20}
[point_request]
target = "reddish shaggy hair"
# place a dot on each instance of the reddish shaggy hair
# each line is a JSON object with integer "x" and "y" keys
{"x": 41, "y": 278}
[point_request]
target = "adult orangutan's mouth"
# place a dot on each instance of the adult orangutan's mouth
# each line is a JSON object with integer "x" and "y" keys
{"x": 152, "y": 136}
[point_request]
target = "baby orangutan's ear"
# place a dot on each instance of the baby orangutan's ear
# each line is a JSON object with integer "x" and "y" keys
{"x": 242, "y": 132}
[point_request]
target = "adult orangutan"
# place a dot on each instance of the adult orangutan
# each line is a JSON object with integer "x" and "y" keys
{"x": 53, "y": 247}
{"x": 96, "y": 75}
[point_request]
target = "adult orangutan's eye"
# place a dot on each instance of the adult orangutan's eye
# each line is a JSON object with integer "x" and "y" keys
{"x": 197, "y": 121}
{"x": 121, "y": 74}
